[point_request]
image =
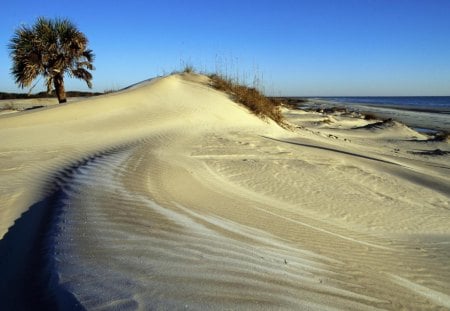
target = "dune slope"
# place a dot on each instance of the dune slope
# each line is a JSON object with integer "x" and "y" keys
{"x": 169, "y": 195}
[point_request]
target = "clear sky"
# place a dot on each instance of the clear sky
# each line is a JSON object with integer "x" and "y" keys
{"x": 304, "y": 48}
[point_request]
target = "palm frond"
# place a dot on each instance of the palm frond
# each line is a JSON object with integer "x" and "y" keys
{"x": 26, "y": 57}
{"x": 89, "y": 55}
{"x": 82, "y": 74}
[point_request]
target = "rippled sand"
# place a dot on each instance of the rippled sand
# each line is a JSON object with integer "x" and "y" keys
{"x": 170, "y": 196}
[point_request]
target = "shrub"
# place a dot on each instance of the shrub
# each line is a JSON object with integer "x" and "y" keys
{"x": 188, "y": 69}
{"x": 370, "y": 117}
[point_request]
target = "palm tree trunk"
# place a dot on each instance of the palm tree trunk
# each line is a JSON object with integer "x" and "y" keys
{"x": 58, "y": 81}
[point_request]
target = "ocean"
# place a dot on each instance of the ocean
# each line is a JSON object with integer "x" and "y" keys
{"x": 439, "y": 104}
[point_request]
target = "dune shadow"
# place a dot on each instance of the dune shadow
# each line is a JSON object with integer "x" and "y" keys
{"x": 28, "y": 274}
{"x": 332, "y": 150}
{"x": 435, "y": 152}
{"x": 28, "y": 277}
{"x": 376, "y": 125}
{"x": 434, "y": 183}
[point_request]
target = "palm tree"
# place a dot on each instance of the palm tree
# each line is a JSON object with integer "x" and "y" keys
{"x": 51, "y": 48}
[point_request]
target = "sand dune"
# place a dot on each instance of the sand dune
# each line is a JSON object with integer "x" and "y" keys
{"x": 168, "y": 195}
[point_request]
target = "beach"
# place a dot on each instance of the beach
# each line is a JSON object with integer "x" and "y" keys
{"x": 169, "y": 195}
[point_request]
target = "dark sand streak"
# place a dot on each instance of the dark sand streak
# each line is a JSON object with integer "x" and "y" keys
{"x": 28, "y": 281}
{"x": 27, "y": 265}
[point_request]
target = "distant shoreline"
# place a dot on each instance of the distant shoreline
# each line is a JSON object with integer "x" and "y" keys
{"x": 6, "y": 95}
{"x": 427, "y": 104}
{"x": 443, "y": 110}
{"x": 418, "y": 117}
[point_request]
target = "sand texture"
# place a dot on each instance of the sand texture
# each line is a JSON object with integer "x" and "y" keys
{"x": 168, "y": 196}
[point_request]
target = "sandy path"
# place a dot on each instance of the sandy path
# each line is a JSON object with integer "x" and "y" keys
{"x": 188, "y": 206}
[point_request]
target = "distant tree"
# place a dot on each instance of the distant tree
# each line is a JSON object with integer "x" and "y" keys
{"x": 51, "y": 48}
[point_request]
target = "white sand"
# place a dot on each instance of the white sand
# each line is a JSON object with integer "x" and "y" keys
{"x": 175, "y": 197}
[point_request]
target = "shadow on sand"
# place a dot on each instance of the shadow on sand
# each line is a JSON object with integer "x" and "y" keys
{"x": 331, "y": 149}
{"x": 28, "y": 276}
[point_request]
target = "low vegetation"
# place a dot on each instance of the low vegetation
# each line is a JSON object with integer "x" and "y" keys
{"x": 188, "y": 69}
{"x": 4, "y": 95}
{"x": 441, "y": 136}
{"x": 370, "y": 117}
{"x": 251, "y": 98}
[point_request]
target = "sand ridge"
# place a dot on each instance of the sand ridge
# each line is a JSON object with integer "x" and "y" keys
{"x": 180, "y": 198}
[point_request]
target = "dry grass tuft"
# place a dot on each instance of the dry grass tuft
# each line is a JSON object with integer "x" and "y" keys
{"x": 111, "y": 90}
{"x": 251, "y": 98}
{"x": 188, "y": 69}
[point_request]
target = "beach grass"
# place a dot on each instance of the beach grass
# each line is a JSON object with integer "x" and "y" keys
{"x": 250, "y": 97}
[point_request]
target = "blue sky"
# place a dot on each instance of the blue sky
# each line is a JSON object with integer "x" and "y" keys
{"x": 304, "y": 48}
